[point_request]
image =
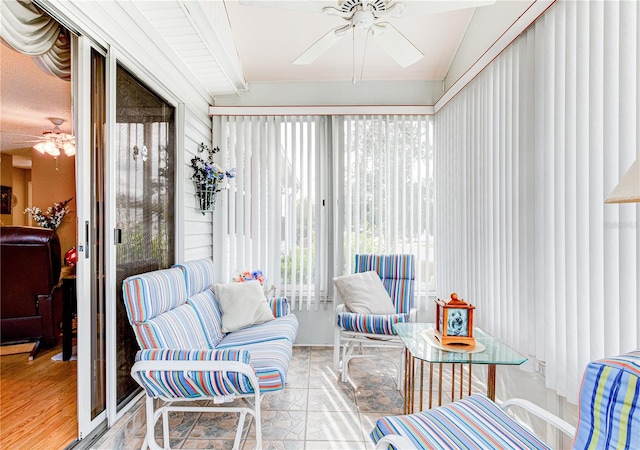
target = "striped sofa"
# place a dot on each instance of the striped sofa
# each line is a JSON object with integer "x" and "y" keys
{"x": 184, "y": 355}
{"x": 609, "y": 417}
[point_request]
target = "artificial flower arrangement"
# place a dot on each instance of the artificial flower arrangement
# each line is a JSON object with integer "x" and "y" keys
{"x": 255, "y": 275}
{"x": 52, "y": 217}
{"x": 207, "y": 177}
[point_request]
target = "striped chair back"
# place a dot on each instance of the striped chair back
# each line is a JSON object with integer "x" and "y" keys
{"x": 158, "y": 313}
{"x": 397, "y": 273}
{"x": 198, "y": 275}
{"x": 609, "y": 417}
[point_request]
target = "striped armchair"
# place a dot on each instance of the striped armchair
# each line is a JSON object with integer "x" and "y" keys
{"x": 353, "y": 331}
{"x": 609, "y": 417}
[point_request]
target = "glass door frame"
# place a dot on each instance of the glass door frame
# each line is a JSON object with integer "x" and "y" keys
{"x": 84, "y": 156}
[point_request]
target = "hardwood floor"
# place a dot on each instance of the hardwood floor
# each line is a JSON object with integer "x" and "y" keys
{"x": 37, "y": 401}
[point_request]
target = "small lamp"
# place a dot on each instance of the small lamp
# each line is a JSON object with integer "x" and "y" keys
{"x": 454, "y": 322}
{"x": 628, "y": 189}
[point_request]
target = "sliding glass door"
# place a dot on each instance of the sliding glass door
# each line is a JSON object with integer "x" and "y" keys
{"x": 144, "y": 180}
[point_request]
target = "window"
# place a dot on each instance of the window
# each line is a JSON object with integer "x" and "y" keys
{"x": 312, "y": 191}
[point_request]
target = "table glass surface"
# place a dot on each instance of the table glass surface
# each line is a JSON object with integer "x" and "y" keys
{"x": 496, "y": 352}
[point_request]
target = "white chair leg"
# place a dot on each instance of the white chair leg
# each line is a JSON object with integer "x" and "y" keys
{"x": 238, "y": 439}
{"x": 336, "y": 348}
{"x": 165, "y": 430}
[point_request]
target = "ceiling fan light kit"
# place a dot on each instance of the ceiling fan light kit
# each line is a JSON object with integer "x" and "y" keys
{"x": 55, "y": 141}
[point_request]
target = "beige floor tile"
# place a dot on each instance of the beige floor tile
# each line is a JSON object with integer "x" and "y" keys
{"x": 333, "y": 426}
{"x": 335, "y": 445}
{"x": 275, "y": 445}
{"x": 331, "y": 399}
{"x": 281, "y": 426}
{"x": 286, "y": 400}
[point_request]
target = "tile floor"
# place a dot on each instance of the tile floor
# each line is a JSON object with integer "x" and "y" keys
{"x": 316, "y": 411}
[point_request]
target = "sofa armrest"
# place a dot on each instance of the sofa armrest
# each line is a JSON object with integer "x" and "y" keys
{"x": 395, "y": 441}
{"x": 279, "y": 306}
{"x": 541, "y": 413}
{"x": 172, "y": 373}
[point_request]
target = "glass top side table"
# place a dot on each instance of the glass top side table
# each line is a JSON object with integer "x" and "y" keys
{"x": 419, "y": 347}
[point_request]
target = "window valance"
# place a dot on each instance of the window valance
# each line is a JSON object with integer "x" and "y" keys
{"x": 31, "y": 31}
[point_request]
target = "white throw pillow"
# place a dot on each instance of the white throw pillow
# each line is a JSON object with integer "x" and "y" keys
{"x": 242, "y": 304}
{"x": 364, "y": 293}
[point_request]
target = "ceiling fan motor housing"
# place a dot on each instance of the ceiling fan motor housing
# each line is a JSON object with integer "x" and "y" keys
{"x": 375, "y": 6}
{"x": 363, "y": 20}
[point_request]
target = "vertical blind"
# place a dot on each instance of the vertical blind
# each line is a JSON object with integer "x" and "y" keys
{"x": 384, "y": 178}
{"x": 532, "y": 147}
{"x": 312, "y": 191}
{"x": 273, "y": 216}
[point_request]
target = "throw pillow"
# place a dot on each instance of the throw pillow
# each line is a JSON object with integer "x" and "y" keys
{"x": 364, "y": 293}
{"x": 242, "y": 304}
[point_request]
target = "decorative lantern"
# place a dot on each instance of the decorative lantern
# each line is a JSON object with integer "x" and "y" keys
{"x": 454, "y": 322}
{"x": 71, "y": 257}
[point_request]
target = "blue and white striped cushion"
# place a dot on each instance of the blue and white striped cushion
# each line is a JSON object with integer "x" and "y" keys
{"x": 280, "y": 328}
{"x": 397, "y": 273}
{"x": 177, "y": 384}
{"x": 208, "y": 311}
{"x": 270, "y": 360}
{"x": 198, "y": 275}
{"x": 179, "y": 328}
{"x": 609, "y": 404}
{"x": 279, "y": 306}
{"x": 370, "y": 323}
{"x": 149, "y": 294}
{"x": 474, "y": 422}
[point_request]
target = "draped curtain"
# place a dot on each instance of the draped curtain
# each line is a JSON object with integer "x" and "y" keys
{"x": 29, "y": 30}
{"x": 312, "y": 191}
{"x": 528, "y": 152}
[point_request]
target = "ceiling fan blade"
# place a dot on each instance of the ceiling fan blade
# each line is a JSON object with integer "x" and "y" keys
{"x": 438, "y": 6}
{"x": 396, "y": 44}
{"x": 322, "y": 45}
{"x": 312, "y": 6}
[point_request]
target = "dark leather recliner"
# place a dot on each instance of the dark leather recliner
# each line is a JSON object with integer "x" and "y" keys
{"x": 30, "y": 295}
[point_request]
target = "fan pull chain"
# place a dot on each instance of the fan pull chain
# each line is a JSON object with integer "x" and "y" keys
{"x": 353, "y": 53}
{"x": 364, "y": 52}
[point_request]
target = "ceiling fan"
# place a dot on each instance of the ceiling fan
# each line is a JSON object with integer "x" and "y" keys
{"x": 54, "y": 141}
{"x": 368, "y": 15}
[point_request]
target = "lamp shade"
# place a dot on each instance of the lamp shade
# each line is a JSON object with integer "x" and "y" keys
{"x": 628, "y": 189}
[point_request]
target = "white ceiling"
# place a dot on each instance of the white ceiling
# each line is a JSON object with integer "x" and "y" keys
{"x": 270, "y": 39}
{"x": 253, "y": 44}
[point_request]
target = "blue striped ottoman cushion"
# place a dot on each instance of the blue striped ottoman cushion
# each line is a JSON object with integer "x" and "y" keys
{"x": 474, "y": 422}
{"x": 609, "y": 400}
{"x": 189, "y": 384}
{"x": 370, "y": 323}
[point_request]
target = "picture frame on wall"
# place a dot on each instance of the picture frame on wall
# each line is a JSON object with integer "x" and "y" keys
{"x": 5, "y": 199}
